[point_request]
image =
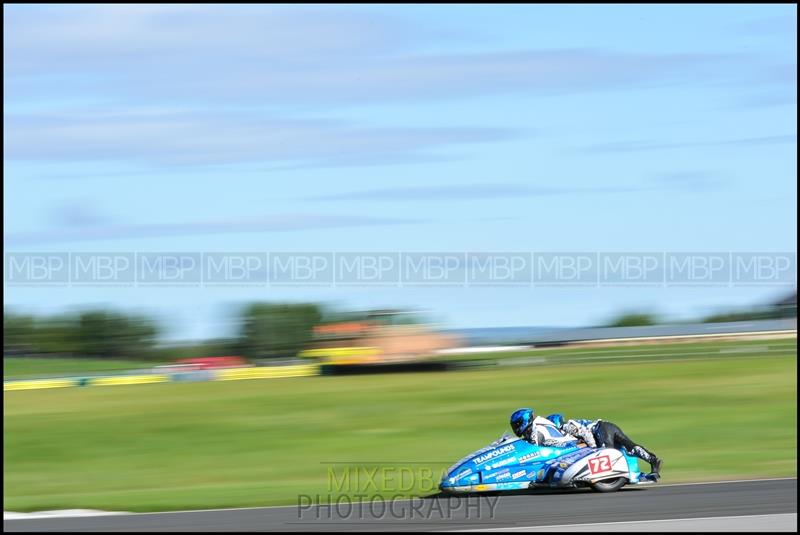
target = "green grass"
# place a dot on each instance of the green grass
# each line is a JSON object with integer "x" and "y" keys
{"x": 264, "y": 442}
{"x": 23, "y": 368}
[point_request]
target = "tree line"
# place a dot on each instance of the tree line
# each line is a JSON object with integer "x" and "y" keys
{"x": 264, "y": 330}
{"x": 643, "y": 318}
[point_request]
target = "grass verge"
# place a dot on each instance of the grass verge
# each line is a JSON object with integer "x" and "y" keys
{"x": 251, "y": 443}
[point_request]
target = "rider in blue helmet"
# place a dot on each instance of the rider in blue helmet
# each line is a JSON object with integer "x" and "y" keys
{"x": 557, "y": 419}
{"x": 521, "y": 421}
{"x": 538, "y": 430}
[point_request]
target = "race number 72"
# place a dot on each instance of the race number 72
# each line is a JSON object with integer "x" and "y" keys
{"x": 599, "y": 464}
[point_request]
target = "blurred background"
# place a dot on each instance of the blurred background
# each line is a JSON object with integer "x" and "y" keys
{"x": 392, "y": 225}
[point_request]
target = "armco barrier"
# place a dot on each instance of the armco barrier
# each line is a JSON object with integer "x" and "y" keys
{"x": 193, "y": 376}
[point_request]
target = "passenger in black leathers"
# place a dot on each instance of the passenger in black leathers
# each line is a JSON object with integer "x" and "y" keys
{"x": 603, "y": 434}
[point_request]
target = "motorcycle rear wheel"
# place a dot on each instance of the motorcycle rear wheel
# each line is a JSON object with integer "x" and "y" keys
{"x": 609, "y": 485}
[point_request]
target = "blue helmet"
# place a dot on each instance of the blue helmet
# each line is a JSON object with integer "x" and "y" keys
{"x": 521, "y": 421}
{"x": 557, "y": 419}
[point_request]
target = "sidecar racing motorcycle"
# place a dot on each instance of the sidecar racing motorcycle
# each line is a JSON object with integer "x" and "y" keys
{"x": 511, "y": 463}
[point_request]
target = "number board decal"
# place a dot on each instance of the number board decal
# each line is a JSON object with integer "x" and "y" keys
{"x": 600, "y": 464}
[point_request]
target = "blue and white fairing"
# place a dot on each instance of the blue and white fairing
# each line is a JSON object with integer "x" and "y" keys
{"x": 511, "y": 463}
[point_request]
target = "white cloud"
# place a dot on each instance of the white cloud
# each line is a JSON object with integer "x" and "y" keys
{"x": 311, "y": 55}
{"x": 178, "y": 138}
{"x": 274, "y": 223}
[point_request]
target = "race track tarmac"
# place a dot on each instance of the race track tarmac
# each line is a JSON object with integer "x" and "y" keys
{"x": 765, "y": 504}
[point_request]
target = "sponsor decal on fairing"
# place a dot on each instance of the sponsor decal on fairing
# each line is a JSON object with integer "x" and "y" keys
{"x": 492, "y": 454}
{"x": 510, "y": 460}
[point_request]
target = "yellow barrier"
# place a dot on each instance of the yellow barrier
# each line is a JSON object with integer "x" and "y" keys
{"x": 231, "y": 374}
{"x": 38, "y": 383}
{"x": 129, "y": 380}
{"x": 267, "y": 372}
{"x": 343, "y": 355}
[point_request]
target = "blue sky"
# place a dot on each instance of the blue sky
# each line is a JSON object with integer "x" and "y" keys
{"x": 400, "y": 128}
